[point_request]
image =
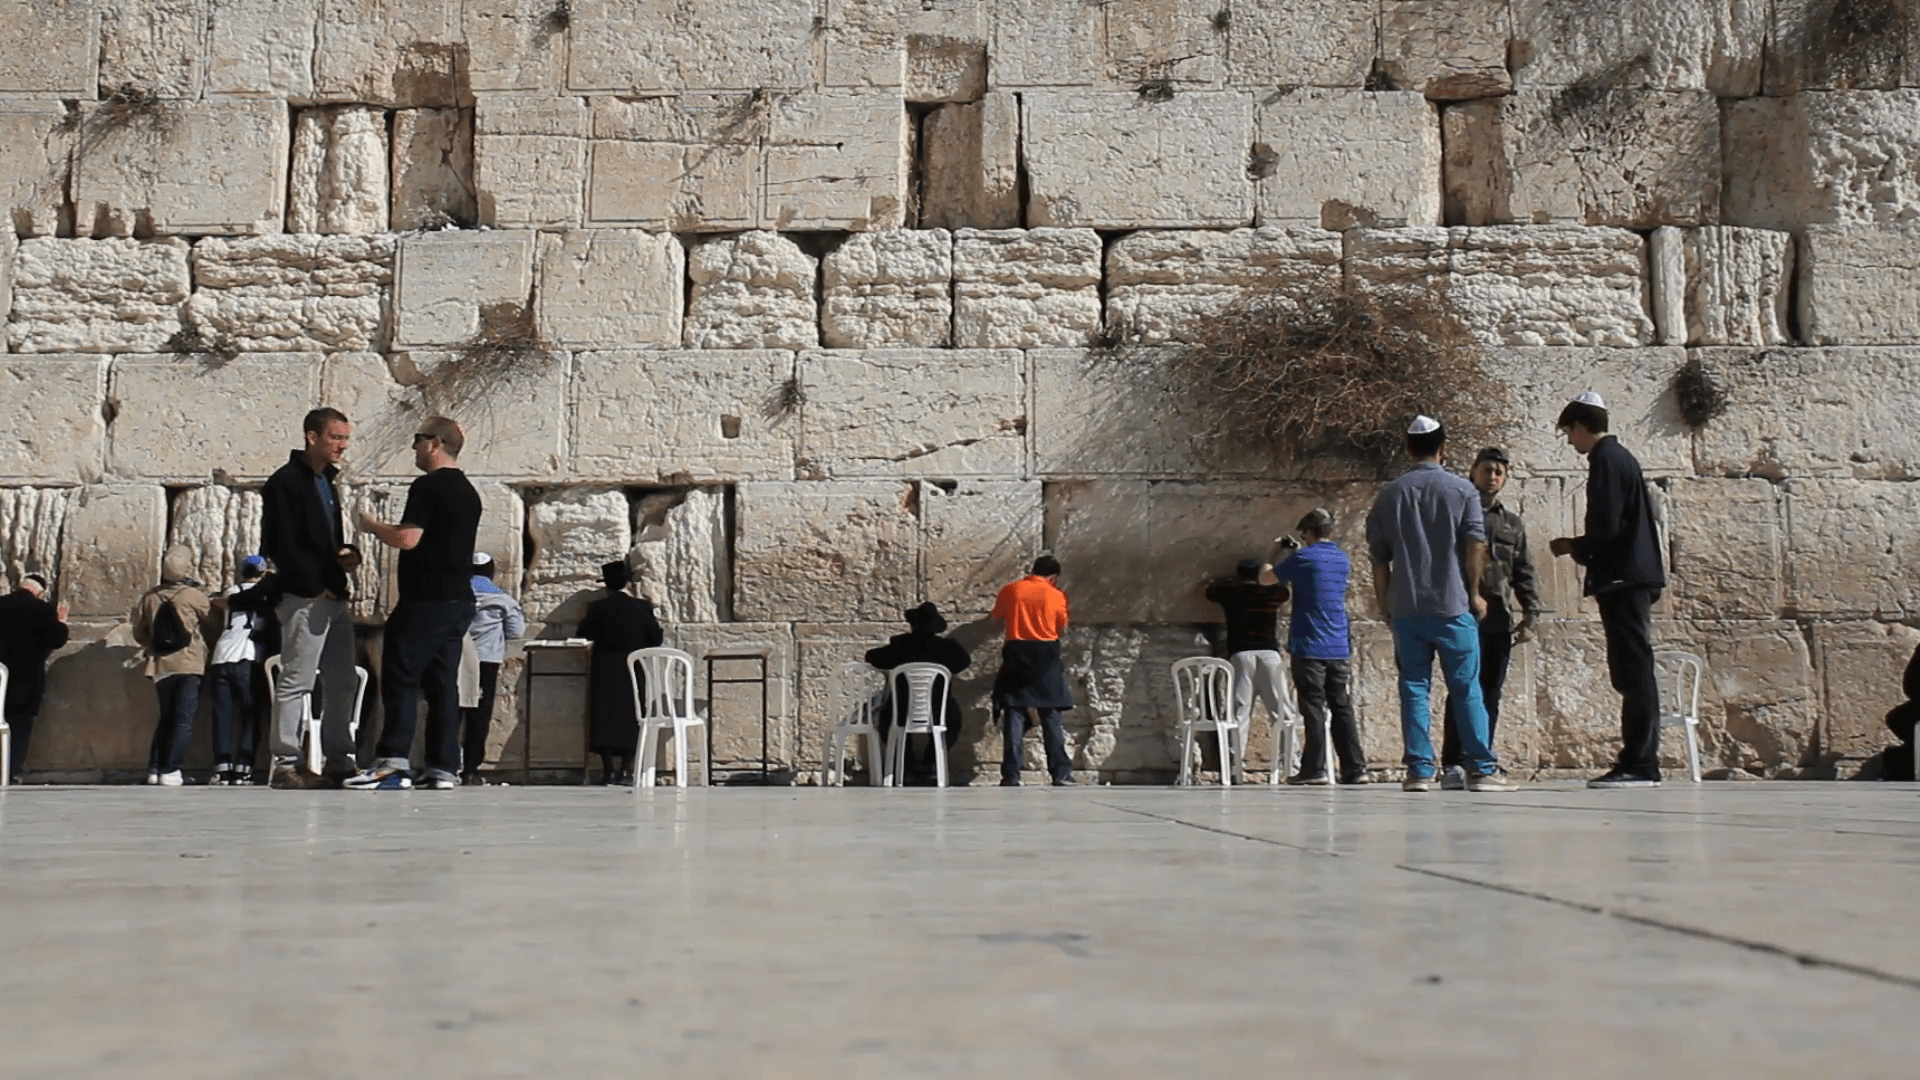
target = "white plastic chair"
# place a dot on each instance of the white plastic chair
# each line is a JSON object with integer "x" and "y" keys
{"x": 666, "y": 705}
{"x": 1682, "y": 672}
{"x": 1204, "y": 687}
{"x": 923, "y": 712}
{"x": 859, "y": 723}
{"x": 6, "y": 734}
{"x": 309, "y": 723}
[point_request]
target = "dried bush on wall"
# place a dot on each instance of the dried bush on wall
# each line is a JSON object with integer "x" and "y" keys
{"x": 1699, "y": 396}
{"x": 1338, "y": 373}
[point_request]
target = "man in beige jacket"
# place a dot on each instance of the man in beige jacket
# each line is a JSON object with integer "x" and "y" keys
{"x": 171, "y": 623}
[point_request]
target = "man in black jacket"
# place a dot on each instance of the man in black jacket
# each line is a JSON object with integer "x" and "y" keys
{"x": 922, "y": 644}
{"x": 1621, "y": 553}
{"x": 30, "y": 629}
{"x": 301, "y": 531}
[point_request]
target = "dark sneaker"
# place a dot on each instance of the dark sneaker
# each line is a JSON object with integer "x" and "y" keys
{"x": 1619, "y": 777}
{"x": 379, "y": 778}
{"x": 1417, "y": 782}
{"x": 1496, "y": 780}
{"x": 1453, "y": 778}
{"x": 1309, "y": 779}
{"x": 1356, "y": 779}
{"x": 1064, "y": 781}
{"x": 294, "y": 778}
{"x": 1009, "y": 781}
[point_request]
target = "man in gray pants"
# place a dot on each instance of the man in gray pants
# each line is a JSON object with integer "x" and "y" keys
{"x": 301, "y": 531}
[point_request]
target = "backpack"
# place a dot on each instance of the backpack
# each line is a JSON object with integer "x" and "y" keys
{"x": 169, "y": 632}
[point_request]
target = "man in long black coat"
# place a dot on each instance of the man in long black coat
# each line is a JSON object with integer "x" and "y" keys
{"x": 922, "y": 644}
{"x": 617, "y": 624}
{"x": 30, "y": 629}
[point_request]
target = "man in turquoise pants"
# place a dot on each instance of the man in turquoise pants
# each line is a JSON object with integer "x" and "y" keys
{"x": 1427, "y": 540}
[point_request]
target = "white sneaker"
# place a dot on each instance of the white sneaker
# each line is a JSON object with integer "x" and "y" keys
{"x": 1454, "y": 779}
{"x": 153, "y": 778}
{"x": 171, "y": 779}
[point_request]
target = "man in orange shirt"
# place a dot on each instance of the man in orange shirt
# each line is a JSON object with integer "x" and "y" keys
{"x": 1035, "y": 612}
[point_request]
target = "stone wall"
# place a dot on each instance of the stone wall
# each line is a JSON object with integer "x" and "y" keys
{"x": 809, "y": 293}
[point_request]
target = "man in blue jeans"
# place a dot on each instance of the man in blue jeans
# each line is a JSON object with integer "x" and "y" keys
{"x": 1427, "y": 539}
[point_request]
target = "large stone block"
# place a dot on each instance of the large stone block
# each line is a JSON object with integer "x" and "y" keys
{"x": 1711, "y": 45}
{"x": 836, "y": 161}
{"x": 1338, "y": 158}
{"x": 1840, "y": 45}
{"x": 1165, "y": 286}
{"x": 97, "y": 718}
{"x": 339, "y": 177}
{"x": 1851, "y": 549}
{"x": 679, "y": 417}
{"x": 752, "y": 291}
{"x": 1822, "y": 158}
{"x": 611, "y": 288}
{"x": 513, "y": 410}
{"x": 688, "y": 163}
{"x": 502, "y": 533}
{"x": 841, "y": 551}
{"x": 976, "y": 536}
{"x": 1197, "y": 532}
{"x": 181, "y": 168}
{"x": 1637, "y": 386}
{"x": 573, "y": 532}
{"x": 734, "y": 709}
{"x": 1127, "y": 160}
{"x": 1097, "y": 415}
{"x": 863, "y": 44}
{"x": 55, "y": 430}
{"x": 1726, "y": 542}
{"x": 400, "y": 53}
{"x": 1633, "y": 158}
{"x": 31, "y": 523}
{"x": 1025, "y": 288}
{"x": 1860, "y": 284}
{"x": 445, "y": 283}
{"x": 514, "y": 44}
{"x": 1449, "y": 50}
{"x": 185, "y": 418}
{"x": 1860, "y": 668}
{"x": 1123, "y": 723}
{"x": 1178, "y": 41}
{"x": 261, "y": 48}
{"x": 622, "y": 45}
{"x": 1312, "y": 43}
{"x": 1732, "y": 286}
{"x": 889, "y": 289}
{"x": 433, "y": 169}
{"x": 36, "y": 147}
{"x": 681, "y": 555}
{"x": 1811, "y": 413}
{"x": 946, "y": 43}
{"x": 529, "y": 154}
{"x": 220, "y": 525}
{"x": 1099, "y": 529}
{"x": 9, "y": 246}
{"x": 110, "y": 549}
{"x": 908, "y": 412}
{"x": 1046, "y": 43}
{"x": 96, "y": 295}
{"x": 156, "y": 45}
{"x": 53, "y": 50}
{"x": 293, "y": 293}
{"x": 971, "y": 176}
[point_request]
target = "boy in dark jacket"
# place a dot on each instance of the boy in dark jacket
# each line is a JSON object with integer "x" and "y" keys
{"x": 30, "y": 630}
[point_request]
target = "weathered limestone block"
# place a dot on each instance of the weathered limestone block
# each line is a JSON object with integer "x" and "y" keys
{"x": 845, "y": 551}
{"x": 293, "y": 293}
{"x": 1099, "y": 530}
{"x": 1198, "y": 531}
{"x": 339, "y": 177}
{"x": 1180, "y": 41}
{"x": 1731, "y": 286}
{"x": 182, "y": 418}
{"x": 54, "y": 429}
{"x": 836, "y": 161}
{"x": 687, "y": 163}
{"x": 1124, "y": 160}
{"x": 398, "y": 53}
{"x": 1636, "y": 384}
{"x": 1860, "y": 284}
{"x": 1633, "y": 158}
{"x": 35, "y": 148}
{"x": 946, "y": 43}
{"x": 53, "y": 50}
{"x": 221, "y": 525}
{"x": 908, "y": 412}
{"x": 574, "y": 531}
{"x": 1094, "y": 415}
{"x": 975, "y": 537}
{"x": 514, "y": 44}
{"x": 1811, "y": 413}
{"x": 1725, "y": 537}
{"x": 1123, "y": 723}
{"x": 432, "y": 169}
{"x": 502, "y": 534}
{"x": 1822, "y": 158}
{"x": 1837, "y": 45}
{"x": 1045, "y": 43}
{"x": 1165, "y": 286}
{"x": 889, "y": 289}
{"x": 1640, "y": 45}
{"x": 1577, "y": 711}
{"x": 1667, "y": 266}
{"x": 529, "y": 154}
{"x": 610, "y": 287}
{"x": 96, "y": 295}
{"x": 182, "y": 168}
{"x": 733, "y": 710}
{"x": 1339, "y": 158}
{"x": 752, "y": 291}
{"x": 1851, "y": 549}
{"x": 513, "y": 408}
{"x": 9, "y": 246}
{"x": 110, "y": 548}
{"x": 156, "y": 45}
{"x": 972, "y": 172}
{"x": 619, "y": 45}
{"x": 680, "y": 417}
{"x": 680, "y": 555}
{"x": 1311, "y": 43}
{"x": 261, "y": 48}
{"x": 1449, "y": 50}
{"x": 444, "y": 283}
{"x": 1860, "y": 666}
{"x": 31, "y": 522}
{"x": 863, "y": 44}
{"x": 98, "y": 713}
{"x": 1025, "y": 288}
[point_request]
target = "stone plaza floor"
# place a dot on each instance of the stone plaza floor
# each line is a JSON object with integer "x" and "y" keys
{"x": 1727, "y": 930}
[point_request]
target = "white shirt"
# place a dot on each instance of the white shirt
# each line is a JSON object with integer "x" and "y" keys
{"x": 236, "y": 641}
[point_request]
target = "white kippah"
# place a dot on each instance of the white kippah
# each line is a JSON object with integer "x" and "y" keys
{"x": 481, "y": 558}
{"x": 1591, "y": 398}
{"x": 1422, "y": 425}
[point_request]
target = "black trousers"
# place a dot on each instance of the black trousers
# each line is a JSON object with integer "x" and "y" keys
{"x": 1322, "y": 685}
{"x": 1013, "y": 759}
{"x": 20, "y": 722}
{"x": 479, "y": 720}
{"x": 1496, "y": 651}
{"x": 1626, "y": 616}
{"x": 230, "y": 690}
{"x": 422, "y": 651}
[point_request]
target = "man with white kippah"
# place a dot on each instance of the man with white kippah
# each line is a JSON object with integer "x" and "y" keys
{"x": 1624, "y": 576}
{"x": 1427, "y": 538}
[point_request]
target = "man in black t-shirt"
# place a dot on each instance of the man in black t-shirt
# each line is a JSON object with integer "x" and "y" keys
{"x": 435, "y": 537}
{"x": 1251, "y": 602}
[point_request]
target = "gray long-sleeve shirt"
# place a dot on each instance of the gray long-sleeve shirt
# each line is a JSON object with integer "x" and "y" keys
{"x": 1420, "y": 525}
{"x": 496, "y": 620}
